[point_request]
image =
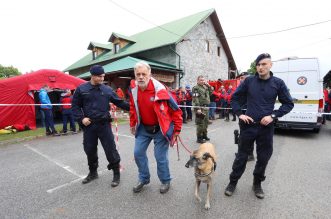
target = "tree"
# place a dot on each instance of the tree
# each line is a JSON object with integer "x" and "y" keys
{"x": 6, "y": 72}
{"x": 252, "y": 68}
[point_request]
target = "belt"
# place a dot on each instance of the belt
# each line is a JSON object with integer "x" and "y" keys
{"x": 152, "y": 129}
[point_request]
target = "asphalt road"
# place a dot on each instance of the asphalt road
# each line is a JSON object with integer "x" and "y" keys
{"x": 41, "y": 178}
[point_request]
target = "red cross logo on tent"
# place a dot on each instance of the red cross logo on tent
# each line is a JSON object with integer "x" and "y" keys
{"x": 302, "y": 80}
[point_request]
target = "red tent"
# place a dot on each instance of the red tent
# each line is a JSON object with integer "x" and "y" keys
{"x": 20, "y": 90}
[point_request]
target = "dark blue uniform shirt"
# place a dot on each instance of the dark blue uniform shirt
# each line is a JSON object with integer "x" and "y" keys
{"x": 261, "y": 96}
{"x": 92, "y": 101}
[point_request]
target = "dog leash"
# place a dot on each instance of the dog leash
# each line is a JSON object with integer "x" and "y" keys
{"x": 174, "y": 142}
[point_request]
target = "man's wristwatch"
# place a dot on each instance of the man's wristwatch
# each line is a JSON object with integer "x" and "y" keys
{"x": 273, "y": 116}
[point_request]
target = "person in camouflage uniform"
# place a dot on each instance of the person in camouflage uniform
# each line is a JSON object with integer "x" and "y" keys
{"x": 201, "y": 98}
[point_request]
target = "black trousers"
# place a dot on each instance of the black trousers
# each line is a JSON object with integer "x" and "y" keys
{"x": 263, "y": 136}
{"x": 101, "y": 131}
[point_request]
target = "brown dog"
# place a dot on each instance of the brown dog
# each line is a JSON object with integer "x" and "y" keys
{"x": 204, "y": 162}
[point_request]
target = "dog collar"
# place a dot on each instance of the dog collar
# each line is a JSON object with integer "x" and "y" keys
{"x": 202, "y": 175}
{"x": 206, "y": 174}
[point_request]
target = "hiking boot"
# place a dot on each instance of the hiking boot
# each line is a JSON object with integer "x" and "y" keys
{"x": 201, "y": 140}
{"x": 91, "y": 176}
{"x": 139, "y": 186}
{"x": 206, "y": 138}
{"x": 229, "y": 190}
{"x": 257, "y": 188}
{"x": 250, "y": 157}
{"x": 164, "y": 188}
{"x": 116, "y": 177}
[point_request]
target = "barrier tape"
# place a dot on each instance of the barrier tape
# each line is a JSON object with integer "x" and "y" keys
{"x": 114, "y": 115}
{"x": 184, "y": 106}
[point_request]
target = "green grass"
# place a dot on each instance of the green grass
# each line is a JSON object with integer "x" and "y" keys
{"x": 31, "y": 134}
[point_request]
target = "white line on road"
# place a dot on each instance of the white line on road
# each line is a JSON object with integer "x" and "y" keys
{"x": 71, "y": 182}
{"x": 64, "y": 185}
{"x": 67, "y": 168}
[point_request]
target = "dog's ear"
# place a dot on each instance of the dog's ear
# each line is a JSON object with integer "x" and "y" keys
{"x": 206, "y": 155}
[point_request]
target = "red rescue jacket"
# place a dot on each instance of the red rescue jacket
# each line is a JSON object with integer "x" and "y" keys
{"x": 168, "y": 113}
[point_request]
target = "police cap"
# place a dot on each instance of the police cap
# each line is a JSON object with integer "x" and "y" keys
{"x": 97, "y": 70}
{"x": 262, "y": 56}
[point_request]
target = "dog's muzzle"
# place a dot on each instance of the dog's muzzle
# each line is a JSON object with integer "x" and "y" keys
{"x": 192, "y": 162}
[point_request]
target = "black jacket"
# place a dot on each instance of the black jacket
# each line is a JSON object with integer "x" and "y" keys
{"x": 261, "y": 96}
{"x": 93, "y": 102}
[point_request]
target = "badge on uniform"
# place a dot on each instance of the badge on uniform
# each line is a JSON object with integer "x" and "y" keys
{"x": 162, "y": 107}
{"x": 195, "y": 94}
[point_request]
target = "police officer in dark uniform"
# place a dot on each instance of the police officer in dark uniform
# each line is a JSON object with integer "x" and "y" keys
{"x": 90, "y": 106}
{"x": 242, "y": 76}
{"x": 261, "y": 92}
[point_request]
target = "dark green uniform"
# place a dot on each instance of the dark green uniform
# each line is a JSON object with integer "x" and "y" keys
{"x": 201, "y": 97}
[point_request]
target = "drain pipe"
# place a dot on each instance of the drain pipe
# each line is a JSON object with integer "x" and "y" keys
{"x": 181, "y": 74}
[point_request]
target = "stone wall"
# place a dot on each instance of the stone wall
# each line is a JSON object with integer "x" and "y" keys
{"x": 196, "y": 60}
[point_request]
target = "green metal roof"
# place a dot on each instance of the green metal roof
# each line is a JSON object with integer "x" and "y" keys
{"x": 128, "y": 63}
{"x": 167, "y": 34}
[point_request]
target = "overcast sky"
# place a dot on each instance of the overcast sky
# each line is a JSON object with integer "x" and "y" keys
{"x": 39, "y": 34}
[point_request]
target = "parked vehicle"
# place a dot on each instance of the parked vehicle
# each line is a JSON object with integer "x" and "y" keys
{"x": 302, "y": 77}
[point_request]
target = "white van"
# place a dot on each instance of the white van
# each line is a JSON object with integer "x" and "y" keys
{"x": 302, "y": 77}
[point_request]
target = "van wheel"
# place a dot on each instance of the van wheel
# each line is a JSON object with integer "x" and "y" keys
{"x": 316, "y": 130}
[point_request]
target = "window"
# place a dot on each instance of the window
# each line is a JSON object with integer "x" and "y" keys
{"x": 116, "y": 48}
{"x": 219, "y": 51}
{"x": 207, "y": 46}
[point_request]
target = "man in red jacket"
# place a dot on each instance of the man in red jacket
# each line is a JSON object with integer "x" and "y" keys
{"x": 66, "y": 99}
{"x": 154, "y": 114}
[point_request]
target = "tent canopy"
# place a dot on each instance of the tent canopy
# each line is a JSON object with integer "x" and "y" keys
{"x": 19, "y": 90}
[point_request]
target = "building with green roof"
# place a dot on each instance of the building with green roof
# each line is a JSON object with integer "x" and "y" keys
{"x": 177, "y": 51}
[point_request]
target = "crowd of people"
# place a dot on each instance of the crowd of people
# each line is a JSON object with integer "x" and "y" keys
{"x": 327, "y": 102}
{"x": 158, "y": 112}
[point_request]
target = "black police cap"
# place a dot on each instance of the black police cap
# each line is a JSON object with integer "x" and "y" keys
{"x": 262, "y": 56}
{"x": 97, "y": 70}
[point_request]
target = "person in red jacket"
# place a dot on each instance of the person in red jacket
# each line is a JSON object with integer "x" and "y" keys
{"x": 229, "y": 92}
{"x": 154, "y": 115}
{"x": 120, "y": 93}
{"x": 66, "y": 98}
{"x": 181, "y": 100}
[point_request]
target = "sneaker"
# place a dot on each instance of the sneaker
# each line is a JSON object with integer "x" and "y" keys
{"x": 55, "y": 133}
{"x": 229, "y": 190}
{"x": 62, "y": 132}
{"x": 164, "y": 188}
{"x": 91, "y": 176}
{"x": 258, "y": 190}
{"x": 139, "y": 186}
